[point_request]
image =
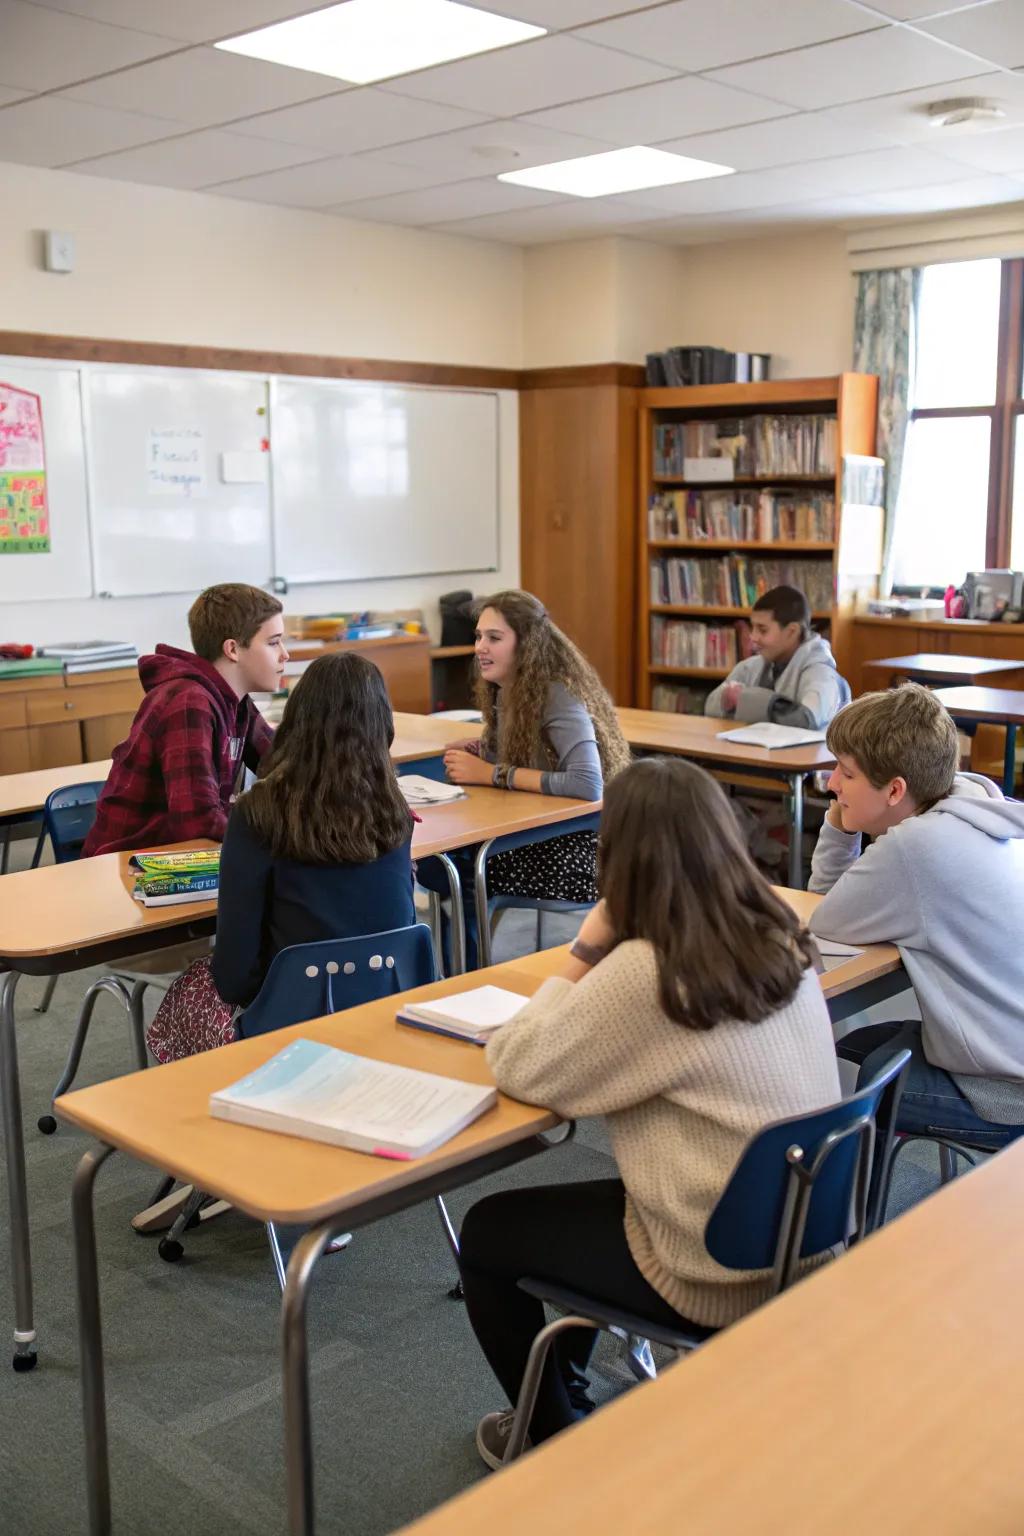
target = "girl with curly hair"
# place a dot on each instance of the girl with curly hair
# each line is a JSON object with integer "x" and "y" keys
{"x": 549, "y": 727}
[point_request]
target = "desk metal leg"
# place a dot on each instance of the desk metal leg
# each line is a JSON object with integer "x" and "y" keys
{"x": 457, "y": 915}
{"x": 796, "y": 832}
{"x": 14, "y": 1155}
{"x": 90, "y": 1341}
{"x": 298, "y": 1440}
{"x": 6, "y": 853}
{"x": 1010, "y": 759}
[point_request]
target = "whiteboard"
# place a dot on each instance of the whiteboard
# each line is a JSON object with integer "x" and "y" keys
{"x": 381, "y": 480}
{"x": 65, "y": 571}
{"x": 178, "y": 483}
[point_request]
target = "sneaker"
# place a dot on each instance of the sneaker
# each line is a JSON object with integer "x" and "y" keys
{"x": 492, "y": 1435}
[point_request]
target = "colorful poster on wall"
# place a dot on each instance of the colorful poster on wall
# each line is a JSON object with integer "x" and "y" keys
{"x": 24, "y": 516}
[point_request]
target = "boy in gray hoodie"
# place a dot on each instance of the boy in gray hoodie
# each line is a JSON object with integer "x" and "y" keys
{"x": 792, "y": 680}
{"x": 943, "y": 880}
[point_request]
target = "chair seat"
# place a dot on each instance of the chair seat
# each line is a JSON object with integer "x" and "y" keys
{"x": 508, "y": 899}
{"x": 608, "y": 1316}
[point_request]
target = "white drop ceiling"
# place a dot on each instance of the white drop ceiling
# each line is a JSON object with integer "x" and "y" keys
{"x": 818, "y": 104}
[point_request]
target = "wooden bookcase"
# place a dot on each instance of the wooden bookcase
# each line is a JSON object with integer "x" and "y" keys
{"x": 851, "y": 398}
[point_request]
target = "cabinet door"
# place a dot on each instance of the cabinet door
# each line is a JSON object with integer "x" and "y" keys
{"x": 15, "y": 756}
{"x": 55, "y": 746}
{"x": 101, "y": 736}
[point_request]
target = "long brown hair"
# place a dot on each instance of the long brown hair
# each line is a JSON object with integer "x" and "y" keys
{"x": 543, "y": 655}
{"x": 327, "y": 791}
{"x": 674, "y": 870}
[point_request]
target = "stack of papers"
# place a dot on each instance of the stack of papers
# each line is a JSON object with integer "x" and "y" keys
{"x": 767, "y": 735}
{"x": 168, "y": 879}
{"x": 473, "y": 1015}
{"x": 91, "y": 655}
{"x": 419, "y": 790}
{"x": 329, "y": 1095}
{"x": 830, "y": 953}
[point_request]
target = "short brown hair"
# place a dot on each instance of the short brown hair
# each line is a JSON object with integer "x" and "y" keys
{"x": 787, "y": 605}
{"x": 904, "y": 733}
{"x": 674, "y": 870}
{"x": 232, "y": 611}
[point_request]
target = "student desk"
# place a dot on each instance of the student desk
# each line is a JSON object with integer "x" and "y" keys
{"x": 64, "y": 917}
{"x": 700, "y": 738}
{"x": 23, "y": 795}
{"x": 162, "y": 1117}
{"x": 928, "y": 667}
{"x": 991, "y": 706}
{"x": 879, "y": 1394}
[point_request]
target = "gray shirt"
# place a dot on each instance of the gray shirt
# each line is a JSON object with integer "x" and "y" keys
{"x": 569, "y": 731}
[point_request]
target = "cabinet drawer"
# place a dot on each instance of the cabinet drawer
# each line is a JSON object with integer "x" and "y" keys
{"x": 12, "y": 712}
{"x": 84, "y": 703}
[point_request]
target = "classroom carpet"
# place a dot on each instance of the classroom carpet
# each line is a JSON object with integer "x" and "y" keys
{"x": 192, "y": 1349}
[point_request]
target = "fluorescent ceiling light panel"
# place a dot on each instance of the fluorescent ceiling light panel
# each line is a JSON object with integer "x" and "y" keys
{"x": 617, "y": 170}
{"x": 367, "y": 40}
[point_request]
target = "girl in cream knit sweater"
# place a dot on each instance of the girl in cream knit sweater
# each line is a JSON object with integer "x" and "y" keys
{"x": 689, "y": 1015}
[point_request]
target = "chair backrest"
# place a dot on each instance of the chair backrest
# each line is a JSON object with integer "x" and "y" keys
{"x": 68, "y": 816}
{"x": 801, "y": 1185}
{"x": 306, "y": 981}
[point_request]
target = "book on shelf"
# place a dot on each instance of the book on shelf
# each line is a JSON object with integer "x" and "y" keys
{"x": 767, "y": 734}
{"x": 863, "y": 480}
{"x": 473, "y": 1015}
{"x": 768, "y": 516}
{"x": 678, "y": 699}
{"x": 736, "y": 580}
{"x": 683, "y": 367}
{"x": 318, "y": 1092}
{"x": 758, "y": 445}
{"x": 682, "y": 643}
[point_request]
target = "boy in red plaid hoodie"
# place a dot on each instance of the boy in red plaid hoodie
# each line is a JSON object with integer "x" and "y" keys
{"x": 175, "y": 776}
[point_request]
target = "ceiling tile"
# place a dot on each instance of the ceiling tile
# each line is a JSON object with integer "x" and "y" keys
{"x": 9, "y": 94}
{"x": 901, "y": 118}
{"x": 437, "y": 205}
{"x": 41, "y": 50}
{"x": 702, "y": 34}
{"x": 652, "y": 113}
{"x": 341, "y": 178}
{"x": 194, "y": 160}
{"x": 974, "y": 192}
{"x": 994, "y": 32}
{"x": 528, "y": 76}
{"x": 51, "y": 131}
{"x": 510, "y": 145}
{"x": 201, "y": 87}
{"x": 190, "y": 21}
{"x": 576, "y": 218}
{"x": 782, "y": 141}
{"x": 912, "y": 10}
{"x": 1001, "y": 153}
{"x": 877, "y": 171}
{"x": 557, "y": 15}
{"x": 853, "y": 69}
{"x": 348, "y": 122}
{"x": 751, "y": 189}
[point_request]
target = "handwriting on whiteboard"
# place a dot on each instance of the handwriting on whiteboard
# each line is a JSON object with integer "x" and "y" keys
{"x": 176, "y": 461}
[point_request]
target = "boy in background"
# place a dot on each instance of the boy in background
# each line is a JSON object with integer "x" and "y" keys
{"x": 943, "y": 880}
{"x": 195, "y": 731}
{"x": 792, "y": 678}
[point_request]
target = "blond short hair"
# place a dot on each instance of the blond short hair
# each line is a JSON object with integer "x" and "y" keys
{"x": 904, "y": 733}
{"x": 232, "y": 611}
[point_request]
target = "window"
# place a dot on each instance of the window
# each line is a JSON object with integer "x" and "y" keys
{"x": 957, "y": 494}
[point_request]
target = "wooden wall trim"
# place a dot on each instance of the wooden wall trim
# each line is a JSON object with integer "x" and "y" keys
{"x": 629, "y": 374}
{"x": 156, "y": 354}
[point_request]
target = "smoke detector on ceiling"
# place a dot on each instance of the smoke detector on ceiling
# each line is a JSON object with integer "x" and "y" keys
{"x": 964, "y": 112}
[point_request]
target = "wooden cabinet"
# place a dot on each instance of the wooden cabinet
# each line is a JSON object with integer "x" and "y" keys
{"x": 404, "y": 661}
{"x": 52, "y": 721}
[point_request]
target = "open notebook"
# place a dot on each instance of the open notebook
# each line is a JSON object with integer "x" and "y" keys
{"x": 768, "y": 735}
{"x": 324, "y": 1094}
{"x": 419, "y": 790}
{"x": 473, "y": 1015}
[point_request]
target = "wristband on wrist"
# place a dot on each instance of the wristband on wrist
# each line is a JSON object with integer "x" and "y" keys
{"x": 590, "y": 954}
{"x": 499, "y": 778}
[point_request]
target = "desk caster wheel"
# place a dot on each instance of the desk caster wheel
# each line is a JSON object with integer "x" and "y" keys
{"x": 25, "y": 1362}
{"x": 47, "y": 1124}
{"x": 170, "y": 1250}
{"x": 457, "y": 1293}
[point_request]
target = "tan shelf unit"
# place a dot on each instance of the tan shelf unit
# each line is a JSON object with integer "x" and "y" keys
{"x": 850, "y": 398}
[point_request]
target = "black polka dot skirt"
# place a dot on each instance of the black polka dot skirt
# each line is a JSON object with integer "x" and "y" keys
{"x": 563, "y": 869}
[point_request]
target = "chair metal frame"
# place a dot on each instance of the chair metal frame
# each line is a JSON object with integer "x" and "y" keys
{"x": 855, "y": 1208}
{"x": 490, "y": 908}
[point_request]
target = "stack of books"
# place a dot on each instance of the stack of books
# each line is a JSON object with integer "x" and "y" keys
{"x": 737, "y": 581}
{"x": 92, "y": 655}
{"x": 768, "y": 516}
{"x": 754, "y": 445}
{"x": 169, "y": 878}
{"x": 681, "y": 367}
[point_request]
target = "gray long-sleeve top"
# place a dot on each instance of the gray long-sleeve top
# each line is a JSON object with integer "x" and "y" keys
{"x": 569, "y": 731}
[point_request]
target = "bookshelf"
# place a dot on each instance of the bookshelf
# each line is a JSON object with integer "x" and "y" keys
{"x": 792, "y": 462}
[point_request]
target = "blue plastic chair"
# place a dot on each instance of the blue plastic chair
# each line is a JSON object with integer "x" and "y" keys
{"x": 490, "y": 908}
{"x": 305, "y": 982}
{"x": 802, "y": 1186}
{"x": 68, "y": 816}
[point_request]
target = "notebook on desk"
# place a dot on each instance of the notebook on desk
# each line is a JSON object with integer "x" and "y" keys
{"x": 768, "y": 735}
{"x": 473, "y": 1015}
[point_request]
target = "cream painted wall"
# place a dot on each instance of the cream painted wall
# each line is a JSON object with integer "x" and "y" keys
{"x": 570, "y": 299}
{"x": 792, "y": 297}
{"x": 160, "y": 265}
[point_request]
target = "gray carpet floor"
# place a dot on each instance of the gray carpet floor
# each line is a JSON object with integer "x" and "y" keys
{"x": 192, "y": 1351}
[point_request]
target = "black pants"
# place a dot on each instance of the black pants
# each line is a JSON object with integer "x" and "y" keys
{"x": 571, "y": 1235}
